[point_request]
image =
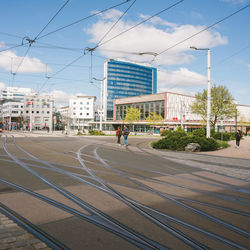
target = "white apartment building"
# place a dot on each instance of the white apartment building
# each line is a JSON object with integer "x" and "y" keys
{"x": 15, "y": 93}
{"x": 12, "y": 112}
{"x": 80, "y": 112}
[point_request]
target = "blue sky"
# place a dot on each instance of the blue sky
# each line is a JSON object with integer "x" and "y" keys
{"x": 47, "y": 66}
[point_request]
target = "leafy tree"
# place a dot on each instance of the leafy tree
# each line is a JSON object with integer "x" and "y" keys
{"x": 221, "y": 104}
{"x": 132, "y": 115}
{"x": 154, "y": 118}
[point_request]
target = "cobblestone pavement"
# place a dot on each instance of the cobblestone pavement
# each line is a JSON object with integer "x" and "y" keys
{"x": 14, "y": 237}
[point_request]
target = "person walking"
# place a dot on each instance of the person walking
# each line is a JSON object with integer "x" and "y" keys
{"x": 237, "y": 138}
{"x": 125, "y": 135}
{"x": 119, "y": 134}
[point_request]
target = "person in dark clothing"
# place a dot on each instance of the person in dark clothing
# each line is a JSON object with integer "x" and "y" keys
{"x": 237, "y": 138}
{"x": 118, "y": 134}
{"x": 125, "y": 134}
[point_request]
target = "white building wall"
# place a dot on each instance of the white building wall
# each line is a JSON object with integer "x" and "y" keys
{"x": 15, "y": 93}
{"x": 81, "y": 110}
{"x": 244, "y": 113}
{"x": 178, "y": 106}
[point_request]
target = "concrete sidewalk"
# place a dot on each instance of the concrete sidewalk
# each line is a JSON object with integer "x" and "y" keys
{"x": 242, "y": 152}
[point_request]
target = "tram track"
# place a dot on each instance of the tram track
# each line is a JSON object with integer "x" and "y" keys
{"x": 103, "y": 220}
{"x": 149, "y": 213}
{"x": 40, "y": 234}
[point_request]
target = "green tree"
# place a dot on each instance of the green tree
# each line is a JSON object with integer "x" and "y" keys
{"x": 221, "y": 104}
{"x": 132, "y": 115}
{"x": 154, "y": 118}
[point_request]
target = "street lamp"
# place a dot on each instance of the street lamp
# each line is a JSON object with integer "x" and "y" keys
{"x": 101, "y": 99}
{"x": 208, "y": 88}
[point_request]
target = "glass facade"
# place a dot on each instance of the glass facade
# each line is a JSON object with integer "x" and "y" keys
{"x": 145, "y": 109}
{"x": 126, "y": 79}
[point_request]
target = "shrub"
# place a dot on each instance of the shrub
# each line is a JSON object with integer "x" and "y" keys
{"x": 207, "y": 144}
{"x": 179, "y": 140}
{"x": 223, "y": 144}
{"x": 96, "y": 132}
{"x": 79, "y": 133}
{"x": 165, "y": 132}
{"x": 201, "y": 132}
{"x": 219, "y": 136}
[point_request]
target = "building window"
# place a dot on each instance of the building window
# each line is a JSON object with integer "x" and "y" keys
{"x": 80, "y": 113}
{"x": 27, "y": 112}
{"x": 80, "y": 102}
{"x": 87, "y": 114}
{"x": 32, "y": 112}
{"x": 47, "y": 112}
{"x": 37, "y": 112}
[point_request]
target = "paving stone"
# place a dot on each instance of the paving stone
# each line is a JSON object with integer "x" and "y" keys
{"x": 4, "y": 235}
{"x": 34, "y": 241}
{"x": 27, "y": 248}
{"x": 4, "y": 246}
{"x": 25, "y": 236}
{"x": 20, "y": 244}
{"x": 40, "y": 245}
{"x": 8, "y": 240}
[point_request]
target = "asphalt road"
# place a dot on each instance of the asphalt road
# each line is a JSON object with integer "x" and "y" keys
{"x": 90, "y": 193}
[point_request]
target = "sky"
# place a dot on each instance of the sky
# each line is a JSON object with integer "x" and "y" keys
{"x": 57, "y": 47}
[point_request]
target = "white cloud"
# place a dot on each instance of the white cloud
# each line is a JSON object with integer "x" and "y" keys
{"x": 179, "y": 78}
{"x": 2, "y": 85}
{"x": 62, "y": 98}
{"x": 234, "y": 1}
{"x": 10, "y": 61}
{"x": 248, "y": 66}
{"x": 150, "y": 37}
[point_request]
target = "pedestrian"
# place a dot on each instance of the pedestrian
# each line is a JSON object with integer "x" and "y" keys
{"x": 237, "y": 138}
{"x": 118, "y": 133}
{"x": 125, "y": 135}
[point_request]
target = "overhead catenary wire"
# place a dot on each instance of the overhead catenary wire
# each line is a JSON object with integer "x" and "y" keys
{"x": 83, "y": 19}
{"x": 136, "y": 25}
{"x": 123, "y": 14}
{"x": 51, "y": 19}
{"x": 92, "y": 49}
{"x": 208, "y": 27}
{"x": 30, "y": 41}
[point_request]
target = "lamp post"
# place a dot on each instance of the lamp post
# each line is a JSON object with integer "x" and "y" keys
{"x": 101, "y": 100}
{"x": 208, "y": 88}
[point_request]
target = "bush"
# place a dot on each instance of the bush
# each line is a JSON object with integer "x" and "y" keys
{"x": 179, "y": 140}
{"x": 96, "y": 132}
{"x": 207, "y": 144}
{"x": 165, "y": 132}
{"x": 223, "y": 144}
{"x": 79, "y": 133}
{"x": 201, "y": 132}
{"x": 223, "y": 136}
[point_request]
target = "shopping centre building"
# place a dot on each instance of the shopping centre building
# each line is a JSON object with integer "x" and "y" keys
{"x": 175, "y": 111}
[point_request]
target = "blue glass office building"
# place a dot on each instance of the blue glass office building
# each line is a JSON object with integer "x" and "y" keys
{"x": 126, "y": 79}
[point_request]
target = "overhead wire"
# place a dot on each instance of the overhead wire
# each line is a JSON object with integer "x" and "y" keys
{"x": 208, "y": 27}
{"x": 78, "y": 58}
{"x": 51, "y": 19}
{"x": 92, "y": 49}
{"x": 30, "y": 41}
{"x": 114, "y": 24}
{"x": 83, "y": 19}
{"x": 136, "y": 25}
{"x": 117, "y": 21}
